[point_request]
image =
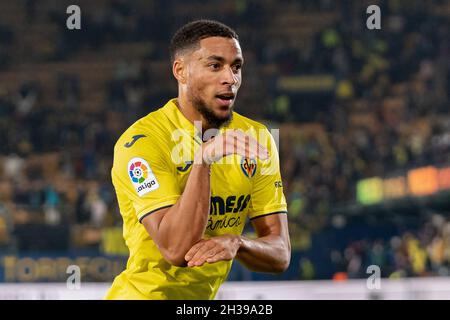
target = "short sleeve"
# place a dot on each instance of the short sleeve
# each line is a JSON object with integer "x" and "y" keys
{"x": 267, "y": 194}
{"x": 143, "y": 175}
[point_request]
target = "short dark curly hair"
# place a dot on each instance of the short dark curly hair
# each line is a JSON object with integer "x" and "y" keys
{"x": 189, "y": 35}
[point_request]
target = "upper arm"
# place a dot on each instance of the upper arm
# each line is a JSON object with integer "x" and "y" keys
{"x": 272, "y": 231}
{"x": 267, "y": 194}
{"x": 152, "y": 221}
{"x": 274, "y": 224}
{"x": 143, "y": 176}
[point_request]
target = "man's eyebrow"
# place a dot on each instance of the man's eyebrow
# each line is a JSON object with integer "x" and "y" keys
{"x": 222, "y": 59}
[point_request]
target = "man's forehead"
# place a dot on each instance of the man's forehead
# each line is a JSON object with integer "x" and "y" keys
{"x": 219, "y": 47}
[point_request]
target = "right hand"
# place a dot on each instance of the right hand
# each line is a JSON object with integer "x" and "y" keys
{"x": 231, "y": 142}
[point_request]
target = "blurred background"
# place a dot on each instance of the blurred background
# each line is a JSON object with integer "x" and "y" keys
{"x": 363, "y": 116}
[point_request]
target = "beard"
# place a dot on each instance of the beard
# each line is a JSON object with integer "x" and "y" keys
{"x": 211, "y": 118}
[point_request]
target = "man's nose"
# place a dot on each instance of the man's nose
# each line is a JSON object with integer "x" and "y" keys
{"x": 229, "y": 77}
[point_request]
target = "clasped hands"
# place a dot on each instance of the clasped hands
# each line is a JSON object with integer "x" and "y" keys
{"x": 224, "y": 247}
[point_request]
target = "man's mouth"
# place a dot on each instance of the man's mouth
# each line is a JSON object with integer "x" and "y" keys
{"x": 225, "y": 99}
{"x": 226, "y": 96}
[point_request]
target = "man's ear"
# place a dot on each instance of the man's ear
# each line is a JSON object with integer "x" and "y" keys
{"x": 179, "y": 70}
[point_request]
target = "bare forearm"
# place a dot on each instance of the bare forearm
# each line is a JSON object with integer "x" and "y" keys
{"x": 266, "y": 254}
{"x": 178, "y": 228}
{"x": 184, "y": 223}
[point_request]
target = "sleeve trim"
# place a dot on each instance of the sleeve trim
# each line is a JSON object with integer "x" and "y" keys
{"x": 168, "y": 201}
{"x": 268, "y": 214}
{"x": 148, "y": 213}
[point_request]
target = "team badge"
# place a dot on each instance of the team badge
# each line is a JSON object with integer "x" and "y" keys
{"x": 248, "y": 166}
{"x": 142, "y": 176}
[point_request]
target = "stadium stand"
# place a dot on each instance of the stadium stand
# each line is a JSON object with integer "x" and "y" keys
{"x": 350, "y": 103}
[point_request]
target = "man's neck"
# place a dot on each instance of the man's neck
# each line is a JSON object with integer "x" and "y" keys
{"x": 191, "y": 113}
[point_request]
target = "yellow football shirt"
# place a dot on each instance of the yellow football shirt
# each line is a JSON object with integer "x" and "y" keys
{"x": 152, "y": 161}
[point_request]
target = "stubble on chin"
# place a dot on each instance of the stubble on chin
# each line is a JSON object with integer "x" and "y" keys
{"x": 211, "y": 118}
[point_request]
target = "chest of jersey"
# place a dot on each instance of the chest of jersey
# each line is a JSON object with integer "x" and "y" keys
{"x": 231, "y": 189}
{"x": 232, "y": 177}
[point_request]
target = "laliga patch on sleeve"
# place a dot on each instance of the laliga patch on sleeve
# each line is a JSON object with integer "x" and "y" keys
{"x": 142, "y": 176}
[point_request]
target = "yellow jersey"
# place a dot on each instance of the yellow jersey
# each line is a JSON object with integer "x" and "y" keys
{"x": 152, "y": 161}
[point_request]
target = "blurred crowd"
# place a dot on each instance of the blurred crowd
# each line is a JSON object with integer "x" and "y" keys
{"x": 389, "y": 111}
{"x": 386, "y": 110}
{"x": 424, "y": 251}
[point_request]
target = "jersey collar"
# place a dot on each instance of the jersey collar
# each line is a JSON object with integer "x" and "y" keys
{"x": 177, "y": 117}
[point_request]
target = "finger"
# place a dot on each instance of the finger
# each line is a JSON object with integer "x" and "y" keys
{"x": 221, "y": 255}
{"x": 192, "y": 251}
{"x": 262, "y": 152}
{"x": 197, "y": 264}
{"x": 251, "y": 153}
{"x": 258, "y": 148}
{"x": 208, "y": 254}
{"x": 253, "y": 145}
{"x": 237, "y": 144}
{"x": 200, "y": 252}
{"x": 246, "y": 153}
{"x": 223, "y": 145}
{"x": 231, "y": 139}
{"x": 234, "y": 136}
{"x": 245, "y": 145}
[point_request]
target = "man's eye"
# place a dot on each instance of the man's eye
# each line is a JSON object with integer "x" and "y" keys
{"x": 237, "y": 67}
{"x": 214, "y": 66}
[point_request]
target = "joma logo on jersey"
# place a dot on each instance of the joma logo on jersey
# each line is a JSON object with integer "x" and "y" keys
{"x": 186, "y": 167}
{"x": 135, "y": 138}
{"x": 248, "y": 166}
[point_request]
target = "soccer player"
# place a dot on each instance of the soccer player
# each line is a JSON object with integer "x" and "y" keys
{"x": 184, "y": 215}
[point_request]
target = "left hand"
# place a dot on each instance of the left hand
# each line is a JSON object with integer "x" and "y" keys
{"x": 214, "y": 249}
